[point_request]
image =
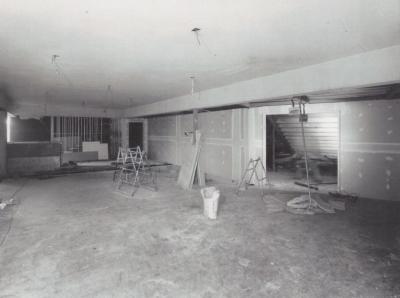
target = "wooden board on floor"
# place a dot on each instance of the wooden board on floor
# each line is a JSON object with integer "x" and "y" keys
{"x": 188, "y": 168}
{"x": 201, "y": 177}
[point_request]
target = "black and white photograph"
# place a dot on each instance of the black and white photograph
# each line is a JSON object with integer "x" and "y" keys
{"x": 199, "y": 149}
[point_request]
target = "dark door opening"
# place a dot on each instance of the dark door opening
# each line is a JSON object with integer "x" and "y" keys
{"x": 285, "y": 149}
{"x": 136, "y": 135}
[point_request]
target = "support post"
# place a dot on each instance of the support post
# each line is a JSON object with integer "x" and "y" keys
{"x": 195, "y": 124}
{"x": 3, "y": 143}
{"x": 51, "y": 128}
{"x": 273, "y": 147}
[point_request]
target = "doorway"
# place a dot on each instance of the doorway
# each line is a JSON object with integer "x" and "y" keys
{"x": 285, "y": 149}
{"x": 136, "y": 135}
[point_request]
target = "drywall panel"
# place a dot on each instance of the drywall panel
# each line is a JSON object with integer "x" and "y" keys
{"x": 371, "y": 175}
{"x": 162, "y": 126}
{"x": 224, "y": 135}
{"x": 186, "y": 124}
{"x": 371, "y": 122}
{"x": 216, "y": 124}
{"x": 239, "y": 142}
{"x": 259, "y": 123}
{"x": 162, "y": 144}
{"x": 162, "y": 150}
{"x": 243, "y": 124}
{"x": 217, "y": 160}
{"x": 184, "y": 149}
{"x": 370, "y": 149}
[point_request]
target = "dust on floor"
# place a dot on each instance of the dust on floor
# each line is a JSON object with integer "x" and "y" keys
{"x": 73, "y": 236}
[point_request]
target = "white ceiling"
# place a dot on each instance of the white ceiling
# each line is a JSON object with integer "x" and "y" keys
{"x": 145, "y": 50}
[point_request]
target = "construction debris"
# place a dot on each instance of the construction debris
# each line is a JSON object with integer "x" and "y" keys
{"x": 344, "y": 195}
{"x": 4, "y": 203}
{"x": 305, "y": 185}
{"x": 309, "y": 206}
{"x": 323, "y": 205}
{"x": 301, "y": 202}
{"x": 338, "y": 205}
{"x": 244, "y": 262}
{"x": 304, "y": 211}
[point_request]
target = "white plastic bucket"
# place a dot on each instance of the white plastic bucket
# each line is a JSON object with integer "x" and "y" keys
{"x": 210, "y": 200}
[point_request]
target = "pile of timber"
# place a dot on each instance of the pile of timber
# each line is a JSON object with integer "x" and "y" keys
{"x": 191, "y": 167}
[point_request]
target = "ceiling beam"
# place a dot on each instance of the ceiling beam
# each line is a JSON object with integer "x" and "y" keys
{"x": 28, "y": 110}
{"x": 361, "y": 70}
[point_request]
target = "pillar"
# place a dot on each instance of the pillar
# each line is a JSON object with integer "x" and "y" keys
{"x": 3, "y": 143}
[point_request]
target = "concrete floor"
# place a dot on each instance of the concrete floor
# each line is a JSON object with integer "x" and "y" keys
{"x": 284, "y": 180}
{"x": 72, "y": 236}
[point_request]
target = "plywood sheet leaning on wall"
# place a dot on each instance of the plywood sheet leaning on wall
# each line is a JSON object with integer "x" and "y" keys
{"x": 201, "y": 177}
{"x": 101, "y": 148}
{"x": 188, "y": 168}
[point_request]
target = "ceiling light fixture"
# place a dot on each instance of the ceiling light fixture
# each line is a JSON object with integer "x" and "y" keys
{"x": 196, "y": 30}
{"x": 59, "y": 69}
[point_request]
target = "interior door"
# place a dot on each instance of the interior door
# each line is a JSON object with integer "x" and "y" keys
{"x": 136, "y": 135}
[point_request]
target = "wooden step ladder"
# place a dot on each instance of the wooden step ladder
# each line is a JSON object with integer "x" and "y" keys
{"x": 250, "y": 172}
{"x": 135, "y": 172}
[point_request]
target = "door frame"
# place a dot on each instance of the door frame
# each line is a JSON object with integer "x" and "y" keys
{"x": 258, "y": 116}
{"x": 145, "y": 131}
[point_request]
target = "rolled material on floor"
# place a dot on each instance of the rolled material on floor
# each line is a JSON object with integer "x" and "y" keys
{"x": 303, "y": 205}
{"x": 305, "y": 185}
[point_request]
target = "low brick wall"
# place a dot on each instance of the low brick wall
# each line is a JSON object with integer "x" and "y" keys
{"x": 29, "y": 158}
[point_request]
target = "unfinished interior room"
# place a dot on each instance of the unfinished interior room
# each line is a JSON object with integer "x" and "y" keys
{"x": 188, "y": 148}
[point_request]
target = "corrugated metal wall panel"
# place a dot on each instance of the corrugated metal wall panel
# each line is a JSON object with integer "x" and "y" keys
{"x": 321, "y": 133}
